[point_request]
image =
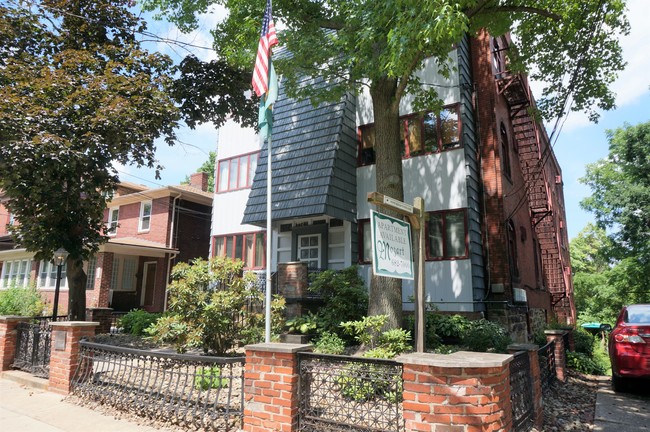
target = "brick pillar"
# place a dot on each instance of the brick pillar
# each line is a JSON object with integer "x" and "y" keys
{"x": 101, "y": 315}
{"x": 293, "y": 281}
{"x": 65, "y": 352}
{"x": 460, "y": 392}
{"x": 572, "y": 342}
{"x": 9, "y": 339}
{"x": 560, "y": 352}
{"x": 271, "y": 387}
{"x": 536, "y": 375}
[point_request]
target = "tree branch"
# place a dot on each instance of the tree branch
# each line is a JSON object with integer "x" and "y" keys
{"x": 404, "y": 79}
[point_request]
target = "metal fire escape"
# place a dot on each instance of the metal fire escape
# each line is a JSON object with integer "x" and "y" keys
{"x": 515, "y": 89}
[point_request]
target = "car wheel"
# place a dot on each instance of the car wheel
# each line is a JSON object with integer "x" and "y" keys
{"x": 619, "y": 384}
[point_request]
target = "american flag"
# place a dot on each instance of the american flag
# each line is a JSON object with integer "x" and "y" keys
{"x": 268, "y": 39}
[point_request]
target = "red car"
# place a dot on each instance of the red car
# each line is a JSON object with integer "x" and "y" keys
{"x": 629, "y": 345}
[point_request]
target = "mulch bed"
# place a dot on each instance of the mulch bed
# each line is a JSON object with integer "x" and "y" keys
{"x": 571, "y": 406}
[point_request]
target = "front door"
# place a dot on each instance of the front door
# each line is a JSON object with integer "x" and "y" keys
{"x": 148, "y": 283}
{"x": 309, "y": 250}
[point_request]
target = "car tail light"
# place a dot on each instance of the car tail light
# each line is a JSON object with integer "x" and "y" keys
{"x": 628, "y": 335}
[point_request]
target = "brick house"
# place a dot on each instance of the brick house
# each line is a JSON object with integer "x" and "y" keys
{"x": 149, "y": 231}
{"x": 496, "y": 243}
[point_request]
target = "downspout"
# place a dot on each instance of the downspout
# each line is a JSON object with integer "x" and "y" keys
{"x": 169, "y": 246}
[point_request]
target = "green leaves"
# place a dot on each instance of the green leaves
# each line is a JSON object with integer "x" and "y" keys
{"x": 75, "y": 98}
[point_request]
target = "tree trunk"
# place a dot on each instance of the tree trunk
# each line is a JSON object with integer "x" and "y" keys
{"x": 76, "y": 289}
{"x": 386, "y": 293}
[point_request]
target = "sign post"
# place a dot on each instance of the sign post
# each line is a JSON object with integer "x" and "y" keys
{"x": 389, "y": 250}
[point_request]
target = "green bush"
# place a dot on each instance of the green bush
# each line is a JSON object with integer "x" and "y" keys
{"x": 583, "y": 363}
{"x": 363, "y": 382}
{"x": 209, "y": 307}
{"x": 306, "y": 324}
{"x": 21, "y": 301}
{"x": 209, "y": 377}
{"x": 344, "y": 296}
{"x": 137, "y": 321}
{"x": 584, "y": 341}
{"x": 386, "y": 344}
{"x": 329, "y": 343}
{"x": 485, "y": 336}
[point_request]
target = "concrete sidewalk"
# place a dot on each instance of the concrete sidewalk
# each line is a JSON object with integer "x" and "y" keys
{"x": 622, "y": 412}
{"x": 25, "y": 406}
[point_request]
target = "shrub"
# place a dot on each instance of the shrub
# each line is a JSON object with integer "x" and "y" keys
{"x": 583, "y": 363}
{"x": 137, "y": 321}
{"x": 305, "y": 324}
{"x": 209, "y": 377}
{"x": 386, "y": 345}
{"x": 363, "y": 382}
{"x": 21, "y": 301}
{"x": 485, "y": 336}
{"x": 344, "y": 296}
{"x": 329, "y": 343}
{"x": 584, "y": 341}
{"x": 209, "y": 307}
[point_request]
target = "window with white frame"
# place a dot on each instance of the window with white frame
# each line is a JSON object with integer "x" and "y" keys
{"x": 145, "y": 216}
{"x": 91, "y": 271}
{"x": 123, "y": 276}
{"x": 47, "y": 275}
{"x": 111, "y": 225}
{"x": 15, "y": 272}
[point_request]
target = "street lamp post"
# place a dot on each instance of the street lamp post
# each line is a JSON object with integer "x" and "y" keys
{"x": 60, "y": 256}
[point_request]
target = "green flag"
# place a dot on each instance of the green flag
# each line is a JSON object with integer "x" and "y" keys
{"x": 265, "y": 120}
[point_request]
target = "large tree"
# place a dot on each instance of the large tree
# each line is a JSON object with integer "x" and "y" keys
{"x": 620, "y": 187}
{"x": 77, "y": 93}
{"x": 620, "y": 200}
{"x": 380, "y": 44}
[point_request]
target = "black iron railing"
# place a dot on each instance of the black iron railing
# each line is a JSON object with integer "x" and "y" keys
{"x": 186, "y": 390}
{"x": 340, "y": 393}
{"x": 521, "y": 392}
{"x": 546, "y": 355}
{"x": 33, "y": 345}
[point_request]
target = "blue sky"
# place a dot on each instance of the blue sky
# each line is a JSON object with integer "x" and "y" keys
{"x": 578, "y": 144}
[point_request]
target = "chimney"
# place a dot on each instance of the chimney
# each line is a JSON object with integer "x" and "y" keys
{"x": 199, "y": 180}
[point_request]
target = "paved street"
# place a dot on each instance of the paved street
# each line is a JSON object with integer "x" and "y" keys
{"x": 623, "y": 412}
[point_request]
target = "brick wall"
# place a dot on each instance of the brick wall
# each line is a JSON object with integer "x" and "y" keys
{"x": 464, "y": 392}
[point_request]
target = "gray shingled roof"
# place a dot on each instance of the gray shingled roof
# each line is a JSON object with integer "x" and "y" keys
{"x": 314, "y": 161}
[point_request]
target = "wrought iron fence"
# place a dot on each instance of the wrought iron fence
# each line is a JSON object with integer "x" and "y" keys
{"x": 566, "y": 341}
{"x": 186, "y": 390}
{"x": 521, "y": 392}
{"x": 33, "y": 345}
{"x": 340, "y": 393}
{"x": 546, "y": 356}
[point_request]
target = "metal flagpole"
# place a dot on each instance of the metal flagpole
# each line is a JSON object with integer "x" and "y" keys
{"x": 268, "y": 241}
